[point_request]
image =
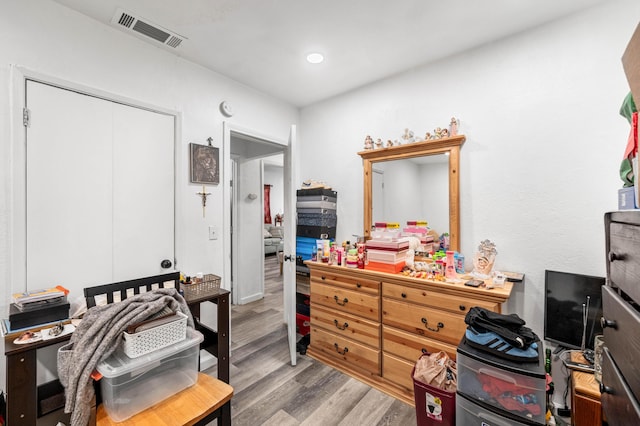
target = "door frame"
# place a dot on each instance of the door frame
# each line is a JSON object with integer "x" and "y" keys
{"x": 17, "y": 208}
{"x": 232, "y": 246}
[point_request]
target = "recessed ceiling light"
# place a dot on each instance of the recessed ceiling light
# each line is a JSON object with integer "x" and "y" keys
{"x": 315, "y": 58}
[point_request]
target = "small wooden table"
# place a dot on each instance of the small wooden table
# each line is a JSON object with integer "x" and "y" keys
{"x": 215, "y": 342}
{"x": 585, "y": 396}
{"x": 195, "y": 405}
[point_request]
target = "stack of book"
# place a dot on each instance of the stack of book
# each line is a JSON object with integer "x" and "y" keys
{"x": 386, "y": 255}
{"x": 33, "y": 308}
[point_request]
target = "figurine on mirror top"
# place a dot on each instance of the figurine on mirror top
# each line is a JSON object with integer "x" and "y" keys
{"x": 368, "y": 143}
{"x": 389, "y": 143}
{"x": 407, "y": 136}
{"x": 437, "y": 133}
{"x": 453, "y": 127}
{"x": 379, "y": 143}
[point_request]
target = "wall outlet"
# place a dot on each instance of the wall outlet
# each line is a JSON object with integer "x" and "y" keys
{"x": 213, "y": 233}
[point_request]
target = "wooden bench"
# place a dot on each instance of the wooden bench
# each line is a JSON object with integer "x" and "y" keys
{"x": 196, "y": 405}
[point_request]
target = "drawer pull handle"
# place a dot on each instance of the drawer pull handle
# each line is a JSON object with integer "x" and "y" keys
{"x": 424, "y": 350}
{"x": 358, "y": 285}
{"x": 404, "y": 295}
{"x": 341, "y": 352}
{"x": 340, "y": 327}
{"x": 606, "y": 389}
{"x": 604, "y": 323}
{"x": 323, "y": 278}
{"x": 462, "y": 308}
{"x": 344, "y": 301}
{"x": 426, "y": 324}
{"x": 613, "y": 256}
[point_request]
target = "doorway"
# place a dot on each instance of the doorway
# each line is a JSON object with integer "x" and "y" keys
{"x": 250, "y": 155}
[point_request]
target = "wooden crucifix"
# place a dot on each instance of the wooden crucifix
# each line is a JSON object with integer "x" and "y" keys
{"x": 203, "y": 195}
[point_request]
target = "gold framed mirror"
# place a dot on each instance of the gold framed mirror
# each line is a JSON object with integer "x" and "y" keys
{"x": 446, "y": 146}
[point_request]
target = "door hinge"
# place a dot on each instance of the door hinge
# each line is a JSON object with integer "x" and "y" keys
{"x": 26, "y": 117}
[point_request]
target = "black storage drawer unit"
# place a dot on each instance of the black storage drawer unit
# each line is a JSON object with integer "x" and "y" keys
{"x": 620, "y": 385}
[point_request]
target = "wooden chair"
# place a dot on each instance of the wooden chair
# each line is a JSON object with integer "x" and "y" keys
{"x": 208, "y": 399}
{"x": 196, "y": 405}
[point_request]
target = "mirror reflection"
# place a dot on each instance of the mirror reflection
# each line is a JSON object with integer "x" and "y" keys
{"x": 412, "y": 189}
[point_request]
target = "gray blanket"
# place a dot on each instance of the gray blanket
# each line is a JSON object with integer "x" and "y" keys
{"x": 97, "y": 336}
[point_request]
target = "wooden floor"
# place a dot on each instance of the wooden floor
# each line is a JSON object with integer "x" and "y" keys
{"x": 269, "y": 391}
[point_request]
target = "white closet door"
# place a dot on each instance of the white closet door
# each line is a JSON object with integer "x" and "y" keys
{"x": 143, "y": 196}
{"x": 100, "y": 190}
{"x": 69, "y": 187}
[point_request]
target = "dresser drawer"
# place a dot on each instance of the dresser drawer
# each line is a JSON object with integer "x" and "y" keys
{"x": 348, "y": 282}
{"x": 398, "y": 371}
{"x": 433, "y": 298}
{"x": 345, "y": 350}
{"x": 346, "y": 325}
{"x": 423, "y": 320}
{"x": 411, "y": 346}
{"x": 353, "y": 302}
{"x": 624, "y": 258}
{"x": 623, "y": 339}
{"x": 618, "y": 403}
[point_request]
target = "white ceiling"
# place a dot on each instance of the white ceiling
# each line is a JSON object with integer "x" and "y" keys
{"x": 263, "y": 43}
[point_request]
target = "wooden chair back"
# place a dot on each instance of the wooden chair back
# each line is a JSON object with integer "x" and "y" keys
{"x": 138, "y": 285}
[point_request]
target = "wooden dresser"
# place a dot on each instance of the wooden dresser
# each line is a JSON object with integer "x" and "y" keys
{"x": 620, "y": 385}
{"x": 374, "y": 326}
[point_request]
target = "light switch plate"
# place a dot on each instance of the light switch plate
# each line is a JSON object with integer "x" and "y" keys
{"x": 213, "y": 233}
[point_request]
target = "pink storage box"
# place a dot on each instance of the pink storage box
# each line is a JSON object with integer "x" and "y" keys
{"x": 386, "y": 256}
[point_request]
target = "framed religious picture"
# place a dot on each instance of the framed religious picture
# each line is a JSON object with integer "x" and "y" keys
{"x": 204, "y": 164}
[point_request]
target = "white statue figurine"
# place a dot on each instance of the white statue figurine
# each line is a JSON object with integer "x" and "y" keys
{"x": 407, "y": 136}
{"x": 368, "y": 142}
{"x": 453, "y": 126}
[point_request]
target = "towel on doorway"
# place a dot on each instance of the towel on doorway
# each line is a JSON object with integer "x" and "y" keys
{"x": 97, "y": 336}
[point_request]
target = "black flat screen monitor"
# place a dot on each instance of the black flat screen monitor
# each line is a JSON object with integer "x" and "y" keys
{"x": 564, "y": 314}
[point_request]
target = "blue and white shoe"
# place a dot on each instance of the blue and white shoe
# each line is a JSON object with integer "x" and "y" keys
{"x": 492, "y": 343}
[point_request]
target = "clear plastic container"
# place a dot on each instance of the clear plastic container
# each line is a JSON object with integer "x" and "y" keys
{"x": 131, "y": 385}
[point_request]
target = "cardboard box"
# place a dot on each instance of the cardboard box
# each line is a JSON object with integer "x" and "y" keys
{"x": 631, "y": 65}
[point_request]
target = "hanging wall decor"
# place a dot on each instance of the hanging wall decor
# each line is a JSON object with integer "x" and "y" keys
{"x": 204, "y": 164}
{"x": 267, "y": 204}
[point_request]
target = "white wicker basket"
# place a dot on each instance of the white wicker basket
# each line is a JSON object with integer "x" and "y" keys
{"x": 143, "y": 342}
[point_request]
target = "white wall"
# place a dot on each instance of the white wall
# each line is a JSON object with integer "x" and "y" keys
{"x": 435, "y": 200}
{"x": 47, "y": 38}
{"x": 248, "y": 279}
{"x": 544, "y": 142}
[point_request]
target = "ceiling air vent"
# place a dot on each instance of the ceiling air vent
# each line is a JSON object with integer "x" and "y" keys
{"x": 144, "y": 27}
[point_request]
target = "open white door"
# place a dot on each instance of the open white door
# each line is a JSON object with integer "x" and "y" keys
{"x": 289, "y": 266}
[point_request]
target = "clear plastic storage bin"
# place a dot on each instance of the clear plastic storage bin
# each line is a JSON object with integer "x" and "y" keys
{"x": 131, "y": 385}
{"x": 511, "y": 387}
{"x": 469, "y": 413}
